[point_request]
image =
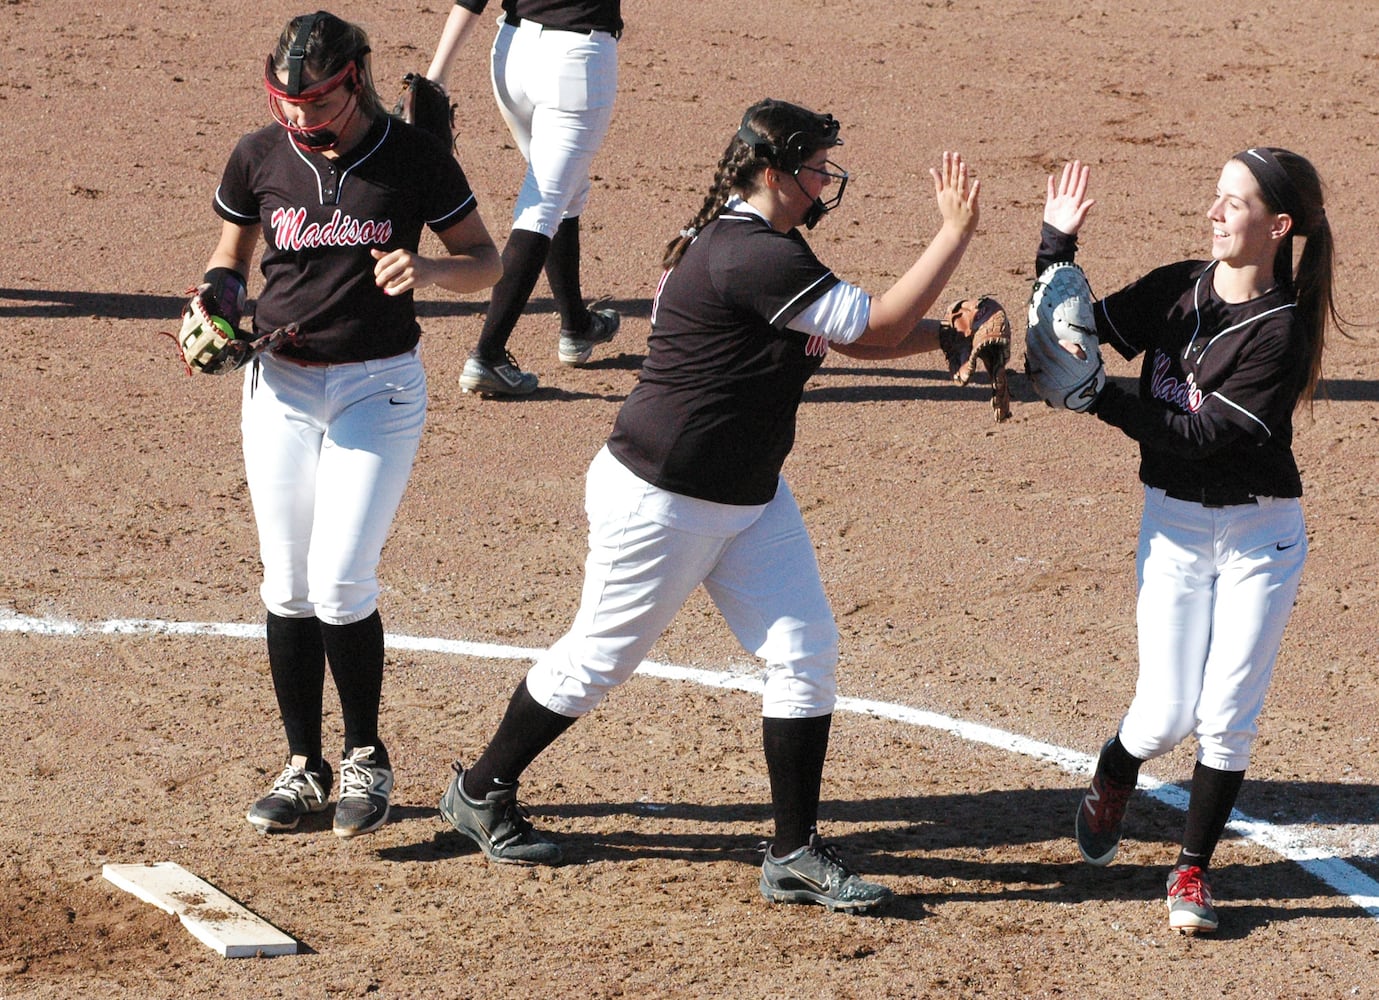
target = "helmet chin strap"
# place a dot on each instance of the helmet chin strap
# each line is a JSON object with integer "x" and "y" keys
{"x": 817, "y": 209}
{"x": 324, "y": 139}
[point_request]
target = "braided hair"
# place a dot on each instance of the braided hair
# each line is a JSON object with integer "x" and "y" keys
{"x": 787, "y": 135}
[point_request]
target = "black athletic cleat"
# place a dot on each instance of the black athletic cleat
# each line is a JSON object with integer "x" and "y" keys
{"x": 576, "y": 348}
{"x": 295, "y": 793}
{"x": 1099, "y": 816}
{"x": 815, "y": 874}
{"x": 365, "y": 792}
{"x": 501, "y": 378}
{"x": 498, "y": 824}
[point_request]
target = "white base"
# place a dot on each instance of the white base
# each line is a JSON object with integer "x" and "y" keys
{"x": 211, "y": 916}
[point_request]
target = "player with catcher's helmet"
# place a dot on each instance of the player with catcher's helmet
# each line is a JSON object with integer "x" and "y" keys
{"x": 688, "y": 489}
{"x": 338, "y": 191}
{"x": 1231, "y": 346}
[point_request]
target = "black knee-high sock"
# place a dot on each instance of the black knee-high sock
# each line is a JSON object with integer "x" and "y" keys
{"x": 355, "y": 654}
{"x": 297, "y": 661}
{"x": 527, "y": 729}
{"x": 795, "y": 752}
{"x": 1118, "y": 764}
{"x": 1208, "y": 810}
{"x": 562, "y": 271}
{"x": 523, "y": 258}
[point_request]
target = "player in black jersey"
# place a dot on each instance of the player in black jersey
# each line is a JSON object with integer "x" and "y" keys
{"x": 688, "y": 490}
{"x": 1231, "y": 346}
{"x": 339, "y": 192}
{"x": 554, "y": 67}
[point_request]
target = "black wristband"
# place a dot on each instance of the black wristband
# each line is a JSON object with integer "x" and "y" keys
{"x": 226, "y": 291}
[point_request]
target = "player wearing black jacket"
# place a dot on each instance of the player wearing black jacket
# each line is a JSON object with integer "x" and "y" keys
{"x": 1230, "y": 347}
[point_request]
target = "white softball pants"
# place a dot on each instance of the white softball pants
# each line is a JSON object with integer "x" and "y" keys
{"x": 649, "y": 549}
{"x": 1216, "y": 589}
{"x": 555, "y": 90}
{"x": 328, "y": 451}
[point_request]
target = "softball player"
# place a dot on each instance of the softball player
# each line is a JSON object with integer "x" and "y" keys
{"x": 688, "y": 490}
{"x": 555, "y": 74}
{"x": 339, "y": 191}
{"x": 1231, "y": 346}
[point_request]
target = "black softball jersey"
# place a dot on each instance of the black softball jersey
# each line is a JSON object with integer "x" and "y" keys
{"x": 320, "y": 219}
{"x": 1218, "y": 384}
{"x": 582, "y": 16}
{"x": 713, "y": 412}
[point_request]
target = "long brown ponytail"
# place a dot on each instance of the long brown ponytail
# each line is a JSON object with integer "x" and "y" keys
{"x": 1312, "y": 278}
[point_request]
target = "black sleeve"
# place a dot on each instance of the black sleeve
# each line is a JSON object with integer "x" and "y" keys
{"x": 448, "y": 196}
{"x": 476, "y": 6}
{"x": 772, "y": 275}
{"x": 1193, "y": 436}
{"x": 1055, "y": 247}
{"x": 235, "y": 198}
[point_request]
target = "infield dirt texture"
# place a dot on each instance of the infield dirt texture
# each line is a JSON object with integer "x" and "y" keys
{"x": 980, "y": 573}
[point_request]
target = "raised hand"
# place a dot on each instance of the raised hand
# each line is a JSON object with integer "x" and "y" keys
{"x": 956, "y": 193}
{"x": 1066, "y": 203}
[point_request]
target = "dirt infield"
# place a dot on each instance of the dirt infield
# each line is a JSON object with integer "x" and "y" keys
{"x": 981, "y": 573}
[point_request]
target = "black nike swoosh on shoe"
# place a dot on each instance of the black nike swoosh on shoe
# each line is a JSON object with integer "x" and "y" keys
{"x": 1280, "y": 547}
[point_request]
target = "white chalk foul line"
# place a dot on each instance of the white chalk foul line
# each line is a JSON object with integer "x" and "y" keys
{"x": 1292, "y": 842}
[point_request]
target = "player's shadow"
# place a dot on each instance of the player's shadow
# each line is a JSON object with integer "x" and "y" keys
{"x": 44, "y": 303}
{"x": 432, "y": 306}
{"x": 920, "y": 384}
{"x": 49, "y": 303}
{"x": 1346, "y": 390}
{"x": 969, "y": 843}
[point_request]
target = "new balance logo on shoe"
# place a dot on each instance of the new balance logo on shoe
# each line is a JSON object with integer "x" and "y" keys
{"x": 366, "y": 790}
{"x": 1100, "y": 813}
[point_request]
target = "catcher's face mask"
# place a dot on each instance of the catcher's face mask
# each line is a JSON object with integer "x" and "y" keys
{"x": 791, "y": 155}
{"x": 318, "y": 136}
{"x": 832, "y": 174}
{"x": 321, "y": 136}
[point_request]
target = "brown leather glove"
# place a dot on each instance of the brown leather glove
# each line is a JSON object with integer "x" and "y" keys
{"x": 978, "y": 331}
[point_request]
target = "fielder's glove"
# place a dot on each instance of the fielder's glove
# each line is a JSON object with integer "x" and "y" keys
{"x": 210, "y": 339}
{"x": 1062, "y": 352}
{"x": 425, "y": 104}
{"x": 978, "y": 330}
